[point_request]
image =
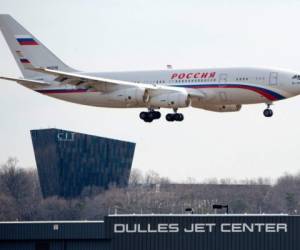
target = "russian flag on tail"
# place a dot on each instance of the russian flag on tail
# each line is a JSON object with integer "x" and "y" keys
{"x": 26, "y": 40}
{"x": 22, "y": 59}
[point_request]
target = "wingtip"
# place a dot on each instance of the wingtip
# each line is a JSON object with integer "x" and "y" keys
{"x": 3, "y": 77}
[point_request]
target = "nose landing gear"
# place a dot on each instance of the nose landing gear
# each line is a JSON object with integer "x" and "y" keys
{"x": 268, "y": 112}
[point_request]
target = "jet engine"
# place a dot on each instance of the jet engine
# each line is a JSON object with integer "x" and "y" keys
{"x": 170, "y": 100}
{"x": 223, "y": 108}
{"x": 130, "y": 96}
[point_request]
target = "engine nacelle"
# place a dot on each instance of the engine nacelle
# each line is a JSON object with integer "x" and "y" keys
{"x": 170, "y": 100}
{"x": 223, "y": 108}
{"x": 130, "y": 96}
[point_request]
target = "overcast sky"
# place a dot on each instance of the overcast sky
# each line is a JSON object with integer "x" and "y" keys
{"x": 135, "y": 35}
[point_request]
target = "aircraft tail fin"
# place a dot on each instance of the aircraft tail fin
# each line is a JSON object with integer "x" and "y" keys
{"x": 28, "y": 50}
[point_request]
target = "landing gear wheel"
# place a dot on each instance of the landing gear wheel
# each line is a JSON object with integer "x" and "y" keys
{"x": 170, "y": 117}
{"x": 148, "y": 119}
{"x": 143, "y": 115}
{"x": 174, "y": 117}
{"x": 268, "y": 112}
{"x": 150, "y": 116}
{"x": 179, "y": 117}
{"x": 157, "y": 114}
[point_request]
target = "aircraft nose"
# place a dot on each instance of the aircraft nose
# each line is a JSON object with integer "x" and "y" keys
{"x": 295, "y": 83}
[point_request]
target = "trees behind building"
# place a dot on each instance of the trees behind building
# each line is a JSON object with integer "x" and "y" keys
{"x": 21, "y": 198}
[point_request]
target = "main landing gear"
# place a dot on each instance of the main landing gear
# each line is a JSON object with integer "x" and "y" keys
{"x": 268, "y": 112}
{"x": 155, "y": 115}
{"x": 150, "y": 115}
{"x": 175, "y": 117}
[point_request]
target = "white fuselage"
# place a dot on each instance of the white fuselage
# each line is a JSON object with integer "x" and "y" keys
{"x": 221, "y": 86}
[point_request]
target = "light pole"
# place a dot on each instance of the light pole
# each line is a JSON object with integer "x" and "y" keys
{"x": 218, "y": 206}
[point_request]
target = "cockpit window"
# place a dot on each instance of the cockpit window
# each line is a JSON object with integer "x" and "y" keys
{"x": 296, "y": 77}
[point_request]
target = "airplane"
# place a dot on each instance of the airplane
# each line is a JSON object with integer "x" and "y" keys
{"x": 213, "y": 89}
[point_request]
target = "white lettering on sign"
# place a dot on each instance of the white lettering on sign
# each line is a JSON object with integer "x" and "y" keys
{"x": 201, "y": 228}
{"x": 119, "y": 228}
{"x": 148, "y": 228}
{"x": 65, "y": 136}
{"x": 254, "y": 227}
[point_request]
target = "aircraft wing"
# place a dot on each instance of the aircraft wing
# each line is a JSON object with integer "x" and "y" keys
{"x": 32, "y": 84}
{"x": 98, "y": 83}
{"x": 107, "y": 85}
{"x": 102, "y": 84}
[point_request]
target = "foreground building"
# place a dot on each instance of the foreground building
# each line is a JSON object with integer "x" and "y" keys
{"x": 67, "y": 162}
{"x": 157, "y": 232}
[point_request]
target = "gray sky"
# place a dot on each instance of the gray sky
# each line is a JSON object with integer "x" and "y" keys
{"x": 129, "y": 35}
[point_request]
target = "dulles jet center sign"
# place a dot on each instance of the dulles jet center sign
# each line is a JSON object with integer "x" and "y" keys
{"x": 130, "y": 228}
{"x": 205, "y": 232}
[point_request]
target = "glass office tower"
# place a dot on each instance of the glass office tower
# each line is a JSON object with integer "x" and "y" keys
{"x": 68, "y": 162}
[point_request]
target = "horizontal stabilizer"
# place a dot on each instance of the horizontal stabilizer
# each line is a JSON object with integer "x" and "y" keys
{"x": 32, "y": 84}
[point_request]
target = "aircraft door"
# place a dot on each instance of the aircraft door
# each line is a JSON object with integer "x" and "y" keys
{"x": 273, "y": 79}
{"x": 223, "y": 78}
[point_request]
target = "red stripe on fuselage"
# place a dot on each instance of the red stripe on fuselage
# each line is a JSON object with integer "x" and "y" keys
{"x": 259, "y": 91}
{"x": 254, "y": 89}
